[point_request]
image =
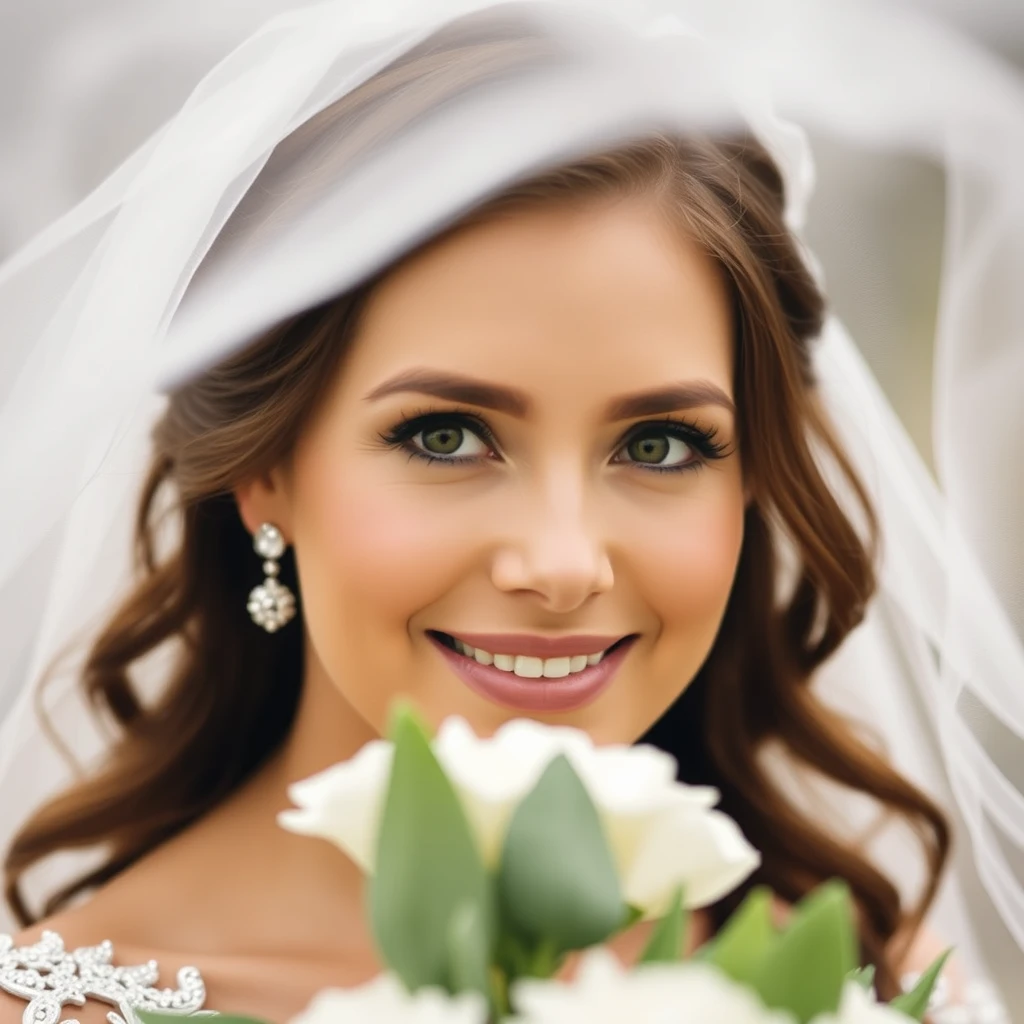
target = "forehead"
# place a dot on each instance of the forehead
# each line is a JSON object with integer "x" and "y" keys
{"x": 552, "y": 297}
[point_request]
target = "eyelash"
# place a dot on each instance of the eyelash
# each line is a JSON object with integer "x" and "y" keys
{"x": 700, "y": 439}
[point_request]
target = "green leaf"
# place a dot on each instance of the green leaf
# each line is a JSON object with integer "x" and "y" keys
{"x": 430, "y": 896}
{"x": 915, "y": 1002}
{"x": 666, "y": 942}
{"x": 468, "y": 951}
{"x": 633, "y": 914}
{"x": 863, "y": 976}
{"x": 807, "y": 965}
{"x": 745, "y": 939}
{"x": 557, "y": 880}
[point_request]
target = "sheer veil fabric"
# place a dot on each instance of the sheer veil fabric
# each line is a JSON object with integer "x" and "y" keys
{"x": 175, "y": 261}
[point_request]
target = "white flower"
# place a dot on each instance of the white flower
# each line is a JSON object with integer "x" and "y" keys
{"x": 605, "y": 993}
{"x": 344, "y": 803}
{"x": 662, "y": 834}
{"x": 859, "y": 1006}
{"x": 385, "y": 1001}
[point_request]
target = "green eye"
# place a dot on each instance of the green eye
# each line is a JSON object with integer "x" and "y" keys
{"x": 442, "y": 440}
{"x": 651, "y": 449}
{"x": 665, "y": 448}
{"x": 452, "y": 438}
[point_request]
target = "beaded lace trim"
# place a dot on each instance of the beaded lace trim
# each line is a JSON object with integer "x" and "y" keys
{"x": 50, "y": 978}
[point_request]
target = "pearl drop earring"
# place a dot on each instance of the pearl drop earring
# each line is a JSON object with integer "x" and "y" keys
{"x": 271, "y": 603}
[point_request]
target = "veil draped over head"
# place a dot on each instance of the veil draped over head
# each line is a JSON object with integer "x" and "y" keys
{"x": 178, "y": 259}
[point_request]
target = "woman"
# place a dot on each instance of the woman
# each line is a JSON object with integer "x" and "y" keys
{"x": 570, "y": 432}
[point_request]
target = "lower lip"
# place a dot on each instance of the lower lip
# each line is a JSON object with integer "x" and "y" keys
{"x": 512, "y": 691}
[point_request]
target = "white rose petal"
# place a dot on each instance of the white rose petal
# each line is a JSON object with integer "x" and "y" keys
{"x": 702, "y": 850}
{"x": 661, "y": 833}
{"x": 605, "y": 993}
{"x": 344, "y": 803}
{"x": 385, "y": 1001}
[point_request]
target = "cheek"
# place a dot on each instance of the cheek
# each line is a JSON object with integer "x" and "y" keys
{"x": 375, "y": 555}
{"x": 689, "y": 566}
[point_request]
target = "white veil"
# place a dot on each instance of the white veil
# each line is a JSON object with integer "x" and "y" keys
{"x": 172, "y": 263}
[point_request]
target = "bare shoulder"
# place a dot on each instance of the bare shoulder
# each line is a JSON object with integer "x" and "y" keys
{"x": 11, "y": 1011}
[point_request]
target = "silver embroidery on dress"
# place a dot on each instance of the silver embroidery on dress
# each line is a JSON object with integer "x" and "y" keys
{"x": 50, "y": 978}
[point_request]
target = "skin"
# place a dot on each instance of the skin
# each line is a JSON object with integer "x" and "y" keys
{"x": 555, "y": 528}
{"x": 548, "y": 536}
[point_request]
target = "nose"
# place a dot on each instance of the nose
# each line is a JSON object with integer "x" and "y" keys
{"x": 556, "y": 551}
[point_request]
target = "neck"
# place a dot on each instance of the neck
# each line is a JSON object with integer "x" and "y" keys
{"x": 310, "y": 896}
{"x": 327, "y": 729}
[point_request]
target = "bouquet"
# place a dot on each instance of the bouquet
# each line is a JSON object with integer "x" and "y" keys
{"x": 490, "y": 862}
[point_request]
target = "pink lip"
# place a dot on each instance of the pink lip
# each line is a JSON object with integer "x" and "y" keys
{"x": 512, "y": 691}
{"x": 537, "y": 646}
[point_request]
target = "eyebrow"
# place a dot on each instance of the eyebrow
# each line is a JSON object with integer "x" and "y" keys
{"x": 471, "y": 391}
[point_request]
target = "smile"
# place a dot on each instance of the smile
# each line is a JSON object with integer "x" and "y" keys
{"x": 528, "y": 682}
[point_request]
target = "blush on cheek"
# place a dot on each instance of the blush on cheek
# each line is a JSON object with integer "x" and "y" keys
{"x": 387, "y": 549}
{"x": 369, "y": 561}
{"x": 692, "y": 569}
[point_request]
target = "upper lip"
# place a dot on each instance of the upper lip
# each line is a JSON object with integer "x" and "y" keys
{"x": 539, "y": 646}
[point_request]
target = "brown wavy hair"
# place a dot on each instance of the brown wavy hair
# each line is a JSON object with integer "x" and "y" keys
{"x": 233, "y": 690}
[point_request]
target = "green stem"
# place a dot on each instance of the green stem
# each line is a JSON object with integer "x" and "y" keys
{"x": 500, "y": 1006}
{"x": 545, "y": 961}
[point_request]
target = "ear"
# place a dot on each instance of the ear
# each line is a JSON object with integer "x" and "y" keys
{"x": 265, "y": 499}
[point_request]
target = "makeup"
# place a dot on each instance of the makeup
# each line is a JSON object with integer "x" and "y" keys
{"x": 510, "y": 690}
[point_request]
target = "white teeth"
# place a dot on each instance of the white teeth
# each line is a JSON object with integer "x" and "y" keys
{"x": 556, "y": 668}
{"x": 529, "y": 668}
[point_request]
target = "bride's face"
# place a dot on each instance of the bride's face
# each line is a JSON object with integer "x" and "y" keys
{"x": 530, "y": 448}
